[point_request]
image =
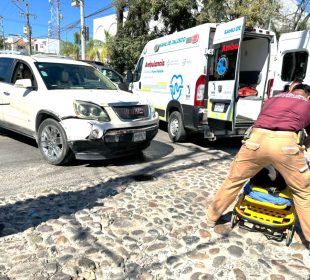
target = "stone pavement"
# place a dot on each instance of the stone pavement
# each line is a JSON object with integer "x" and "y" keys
{"x": 148, "y": 226}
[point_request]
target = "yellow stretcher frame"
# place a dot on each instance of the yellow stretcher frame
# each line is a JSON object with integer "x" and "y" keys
{"x": 276, "y": 218}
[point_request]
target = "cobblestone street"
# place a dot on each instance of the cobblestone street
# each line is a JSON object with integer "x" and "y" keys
{"x": 148, "y": 225}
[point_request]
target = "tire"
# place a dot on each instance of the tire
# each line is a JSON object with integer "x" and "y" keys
{"x": 176, "y": 129}
{"x": 52, "y": 142}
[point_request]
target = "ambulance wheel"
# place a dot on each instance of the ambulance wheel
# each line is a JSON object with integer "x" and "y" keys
{"x": 176, "y": 129}
{"x": 289, "y": 235}
{"x": 234, "y": 220}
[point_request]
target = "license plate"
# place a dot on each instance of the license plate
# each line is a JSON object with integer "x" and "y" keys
{"x": 219, "y": 107}
{"x": 139, "y": 136}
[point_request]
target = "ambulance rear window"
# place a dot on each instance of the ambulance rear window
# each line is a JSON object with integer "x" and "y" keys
{"x": 225, "y": 59}
{"x": 294, "y": 66}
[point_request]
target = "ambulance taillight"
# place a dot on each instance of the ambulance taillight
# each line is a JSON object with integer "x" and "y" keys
{"x": 199, "y": 91}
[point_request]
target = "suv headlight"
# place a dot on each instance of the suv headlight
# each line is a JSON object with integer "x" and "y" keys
{"x": 90, "y": 111}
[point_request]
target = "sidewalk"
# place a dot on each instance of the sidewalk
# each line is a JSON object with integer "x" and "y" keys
{"x": 145, "y": 227}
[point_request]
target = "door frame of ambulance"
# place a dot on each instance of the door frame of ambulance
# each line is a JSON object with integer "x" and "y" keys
{"x": 224, "y": 78}
{"x": 136, "y": 83}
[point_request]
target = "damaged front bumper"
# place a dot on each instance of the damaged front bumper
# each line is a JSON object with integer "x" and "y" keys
{"x": 107, "y": 141}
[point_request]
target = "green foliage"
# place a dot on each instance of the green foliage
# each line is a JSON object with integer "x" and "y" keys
{"x": 124, "y": 52}
{"x": 96, "y": 50}
{"x": 257, "y": 13}
{"x": 176, "y": 15}
{"x": 1, "y": 42}
{"x": 70, "y": 49}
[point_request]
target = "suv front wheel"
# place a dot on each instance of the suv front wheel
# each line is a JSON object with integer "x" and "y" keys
{"x": 52, "y": 141}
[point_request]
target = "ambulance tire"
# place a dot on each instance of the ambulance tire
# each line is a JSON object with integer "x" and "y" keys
{"x": 176, "y": 128}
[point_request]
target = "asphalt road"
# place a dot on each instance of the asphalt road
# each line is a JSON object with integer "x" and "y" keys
{"x": 23, "y": 170}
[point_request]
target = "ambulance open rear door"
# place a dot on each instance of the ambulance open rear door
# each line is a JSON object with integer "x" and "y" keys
{"x": 223, "y": 77}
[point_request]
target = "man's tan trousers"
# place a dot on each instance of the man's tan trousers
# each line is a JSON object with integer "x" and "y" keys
{"x": 265, "y": 147}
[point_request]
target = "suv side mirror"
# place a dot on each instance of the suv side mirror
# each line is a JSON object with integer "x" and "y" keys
{"x": 23, "y": 83}
{"x": 129, "y": 76}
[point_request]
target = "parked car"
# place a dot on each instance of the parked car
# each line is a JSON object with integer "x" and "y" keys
{"x": 72, "y": 109}
{"x": 112, "y": 74}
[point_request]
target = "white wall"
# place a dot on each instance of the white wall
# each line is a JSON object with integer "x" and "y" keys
{"x": 106, "y": 23}
{"x": 109, "y": 23}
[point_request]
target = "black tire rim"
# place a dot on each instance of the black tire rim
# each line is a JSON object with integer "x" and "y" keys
{"x": 51, "y": 142}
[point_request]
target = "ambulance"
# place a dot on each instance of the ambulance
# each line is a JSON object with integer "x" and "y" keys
{"x": 210, "y": 79}
{"x": 292, "y": 60}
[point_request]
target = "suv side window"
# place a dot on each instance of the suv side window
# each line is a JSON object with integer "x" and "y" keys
{"x": 22, "y": 71}
{"x": 111, "y": 75}
{"x": 6, "y": 65}
{"x": 294, "y": 66}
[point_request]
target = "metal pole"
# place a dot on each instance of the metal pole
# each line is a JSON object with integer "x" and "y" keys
{"x": 83, "y": 31}
{"x": 269, "y": 21}
{"x": 58, "y": 25}
{"x": 28, "y": 27}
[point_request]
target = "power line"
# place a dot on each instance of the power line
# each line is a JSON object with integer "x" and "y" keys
{"x": 74, "y": 24}
{"x": 25, "y": 13}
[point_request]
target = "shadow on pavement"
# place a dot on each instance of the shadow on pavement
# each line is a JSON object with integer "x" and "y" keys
{"x": 21, "y": 215}
{"x": 155, "y": 151}
{"x": 229, "y": 145}
{"x": 18, "y": 137}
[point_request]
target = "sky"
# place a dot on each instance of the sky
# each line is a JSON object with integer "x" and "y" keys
{"x": 13, "y": 22}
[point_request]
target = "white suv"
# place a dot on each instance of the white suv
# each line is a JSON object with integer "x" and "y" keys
{"x": 70, "y": 108}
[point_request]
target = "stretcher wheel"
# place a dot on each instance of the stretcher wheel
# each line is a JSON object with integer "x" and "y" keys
{"x": 289, "y": 235}
{"x": 234, "y": 219}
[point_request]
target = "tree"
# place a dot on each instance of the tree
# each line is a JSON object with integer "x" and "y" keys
{"x": 96, "y": 50}
{"x": 257, "y": 13}
{"x": 132, "y": 34}
{"x": 292, "y": 18}
{"x": 2, "y": 40}
{"x": 300, "y": 19}
{"x": 175, "y": 15}
{"x": 72, "y": 49}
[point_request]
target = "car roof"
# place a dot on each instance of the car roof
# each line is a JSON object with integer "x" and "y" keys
{"x": 44, "y": 58}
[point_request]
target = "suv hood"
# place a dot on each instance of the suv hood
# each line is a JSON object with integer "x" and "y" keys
{"x": 100, "y": 97}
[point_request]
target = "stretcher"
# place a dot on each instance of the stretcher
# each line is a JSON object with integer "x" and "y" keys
{"x": 273, "y": 220}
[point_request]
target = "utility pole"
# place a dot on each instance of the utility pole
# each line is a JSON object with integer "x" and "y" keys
{"x": 26, "y": 14}
{"x": 80, "y": 3}
{"x": 2, "y": 33}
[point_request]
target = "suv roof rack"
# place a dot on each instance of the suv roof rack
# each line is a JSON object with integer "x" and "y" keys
{"x": 50, "y": 55}
{"x": 11, "y": 52}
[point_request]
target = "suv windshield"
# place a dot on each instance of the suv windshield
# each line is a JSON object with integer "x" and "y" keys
{"x": 72, "y": 76}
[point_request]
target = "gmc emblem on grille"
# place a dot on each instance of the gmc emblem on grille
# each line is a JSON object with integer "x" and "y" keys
{"x": 136, "y": 111}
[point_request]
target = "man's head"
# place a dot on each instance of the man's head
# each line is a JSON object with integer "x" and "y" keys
{"x": 302, "y": 89}
{"x": 294, "y": 84}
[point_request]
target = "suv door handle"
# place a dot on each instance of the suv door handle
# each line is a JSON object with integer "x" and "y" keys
{"x": 6, "y": 93}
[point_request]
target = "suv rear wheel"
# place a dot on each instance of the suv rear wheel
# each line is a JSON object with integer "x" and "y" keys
{"x": 52, "y": 141}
